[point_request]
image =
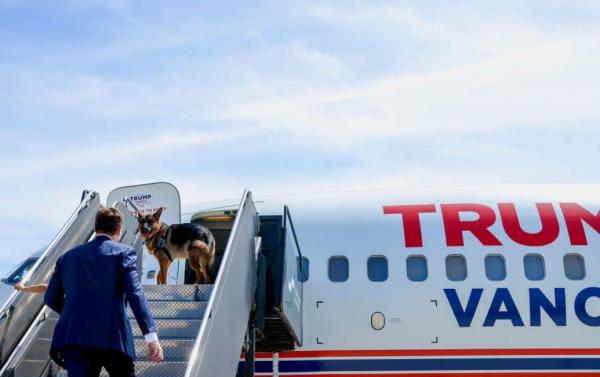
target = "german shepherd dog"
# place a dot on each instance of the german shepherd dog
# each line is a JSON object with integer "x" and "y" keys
{"x": 178, "y": 241}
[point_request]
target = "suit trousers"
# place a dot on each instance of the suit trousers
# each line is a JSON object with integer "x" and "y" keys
{"x": 88, "y": 362}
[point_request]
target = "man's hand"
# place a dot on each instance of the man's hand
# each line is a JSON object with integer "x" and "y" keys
{"x": 19, "y": 286}
{"x": 155, "y": 351}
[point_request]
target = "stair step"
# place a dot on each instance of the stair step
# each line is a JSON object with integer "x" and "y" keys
{"x": 187, "y": 292}
{"x": 173, "y": 349}
{"x": 274, "y": 336}
{"x": 152, "y": 369}
{"x": 47, "y": 329}
{"x": 178, "y": 349}
{"x": 167, "y": 328}
{"x": 173, "y": 328}
{"x": 29, "y": 368}
{"x": 176, "y": 309}
{"x": 39, "y": 349}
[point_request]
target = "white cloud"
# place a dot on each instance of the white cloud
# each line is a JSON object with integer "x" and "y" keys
{"x": 510, "y": 73}
{"x": 542, "y": 86}
{"x": 102, "y": 154}
{"x": 254, "y": 35}
{"x": 546, "y": 85}
{"x": 375, "y": 18}
{"x": 326, "y": 64}
{"x": 461, "y": 28}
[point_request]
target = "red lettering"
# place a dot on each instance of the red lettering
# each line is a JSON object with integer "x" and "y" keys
{"x": 454, "y": 226}
{"x": 410, "y": 221}
{"x": 575, "y": 215}
{"x": 547, "y": 234}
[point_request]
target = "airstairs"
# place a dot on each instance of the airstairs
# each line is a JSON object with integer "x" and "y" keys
{"x": 201, "y": 328}
{"x": 25, "y": 322}
{"x": 178, "y": 311}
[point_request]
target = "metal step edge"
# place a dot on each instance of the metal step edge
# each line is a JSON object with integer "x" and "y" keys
{"x": 27, "y": 368}
{"x": 132, "y": 319}
{"x": 153, "y": 369}
{"x": 162, "y": 338}
{"x": 167, "y": 319}
{"x": 36, "y": 361}
{"x": 175, "y": 309}
{"x": 173, "y": 349}
{"x": 165, "y": 330}
{"x": 176, "y": 286}
{"x": 187, "y": 292}
{"x": 171, "y": 302}
{"x": 39, "y": 347}
{"x": 172, "y": 328}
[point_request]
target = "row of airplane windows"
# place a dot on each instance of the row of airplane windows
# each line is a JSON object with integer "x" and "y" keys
{"x": 338, "y": 268}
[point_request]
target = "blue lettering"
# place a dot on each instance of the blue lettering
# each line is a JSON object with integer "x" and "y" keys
{"x": 464, "y": 317}
{"x": 503, "y": 307}
{"x": 580, "y": 309}
{"x": 557, "y": 313}
{"x": 502, "y": 296}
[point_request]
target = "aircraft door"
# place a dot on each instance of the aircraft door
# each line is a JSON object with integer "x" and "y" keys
{"x": 292, "y": 288}
{"x": 148, "y": 198}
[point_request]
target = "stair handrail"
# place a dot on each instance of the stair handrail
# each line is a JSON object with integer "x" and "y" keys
{"x": 88, "y": 196}
{"x": 215, "y": 299}
{"x": 44, "y": 314}
{"x": 288, "y": 218}
{"x": 295, "y": 285}
{"x": 27, "y": 339}
{"x": 9, "y": 306}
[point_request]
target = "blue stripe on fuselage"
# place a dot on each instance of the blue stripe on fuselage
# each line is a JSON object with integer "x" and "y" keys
{"x": 429, "y": 364}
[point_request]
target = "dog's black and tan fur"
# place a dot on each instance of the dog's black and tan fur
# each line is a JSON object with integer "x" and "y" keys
{"x": 178, "y": 241}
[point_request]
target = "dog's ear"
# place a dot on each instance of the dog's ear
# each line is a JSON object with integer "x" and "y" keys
{"x": 158, "y": 213}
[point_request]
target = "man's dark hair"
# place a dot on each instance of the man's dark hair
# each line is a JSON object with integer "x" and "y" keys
{"x": 108, "y": 220}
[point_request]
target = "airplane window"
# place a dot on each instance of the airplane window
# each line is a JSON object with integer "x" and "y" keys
{"x": 377, "y": 268}
{"x": 303, "y": 266}
{"x": 495, "y": 267}
{"x": 19, "y": 273}
{"x": 456, "y": 267}
{"x": 534, "y": 267}
{"x": 416, "y": 268}
{"x": 338, "y": 269}
{"x": 574, "y": 266}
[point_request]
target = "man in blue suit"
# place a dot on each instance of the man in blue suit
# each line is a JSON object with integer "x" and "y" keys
{"x": 88, "y": 289}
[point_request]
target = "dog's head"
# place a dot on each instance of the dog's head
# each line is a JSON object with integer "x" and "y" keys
{"x": 149, "y": 224}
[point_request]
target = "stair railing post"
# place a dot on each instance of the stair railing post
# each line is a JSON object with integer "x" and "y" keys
{"x": 261, "y": 291}
{"x": 249, "y": 367}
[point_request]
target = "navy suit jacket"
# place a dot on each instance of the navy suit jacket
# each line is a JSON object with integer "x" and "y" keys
{"x": 88, "y": 289}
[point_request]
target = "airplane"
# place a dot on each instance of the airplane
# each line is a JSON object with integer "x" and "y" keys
{"x": 439, "y": 281}
{"x": 399, "y": 285}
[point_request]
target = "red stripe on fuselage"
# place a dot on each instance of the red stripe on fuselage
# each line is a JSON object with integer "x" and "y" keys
{"x": 458, "y": 374}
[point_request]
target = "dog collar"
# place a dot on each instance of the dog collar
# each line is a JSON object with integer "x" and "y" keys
{"x": 160, "y": 245}
{"x": 162, "y": 241}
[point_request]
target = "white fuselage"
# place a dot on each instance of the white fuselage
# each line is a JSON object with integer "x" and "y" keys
{"x": 474, "y": 324}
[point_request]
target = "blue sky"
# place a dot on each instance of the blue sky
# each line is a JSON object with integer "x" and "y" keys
{"x": 288, "y": 97}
